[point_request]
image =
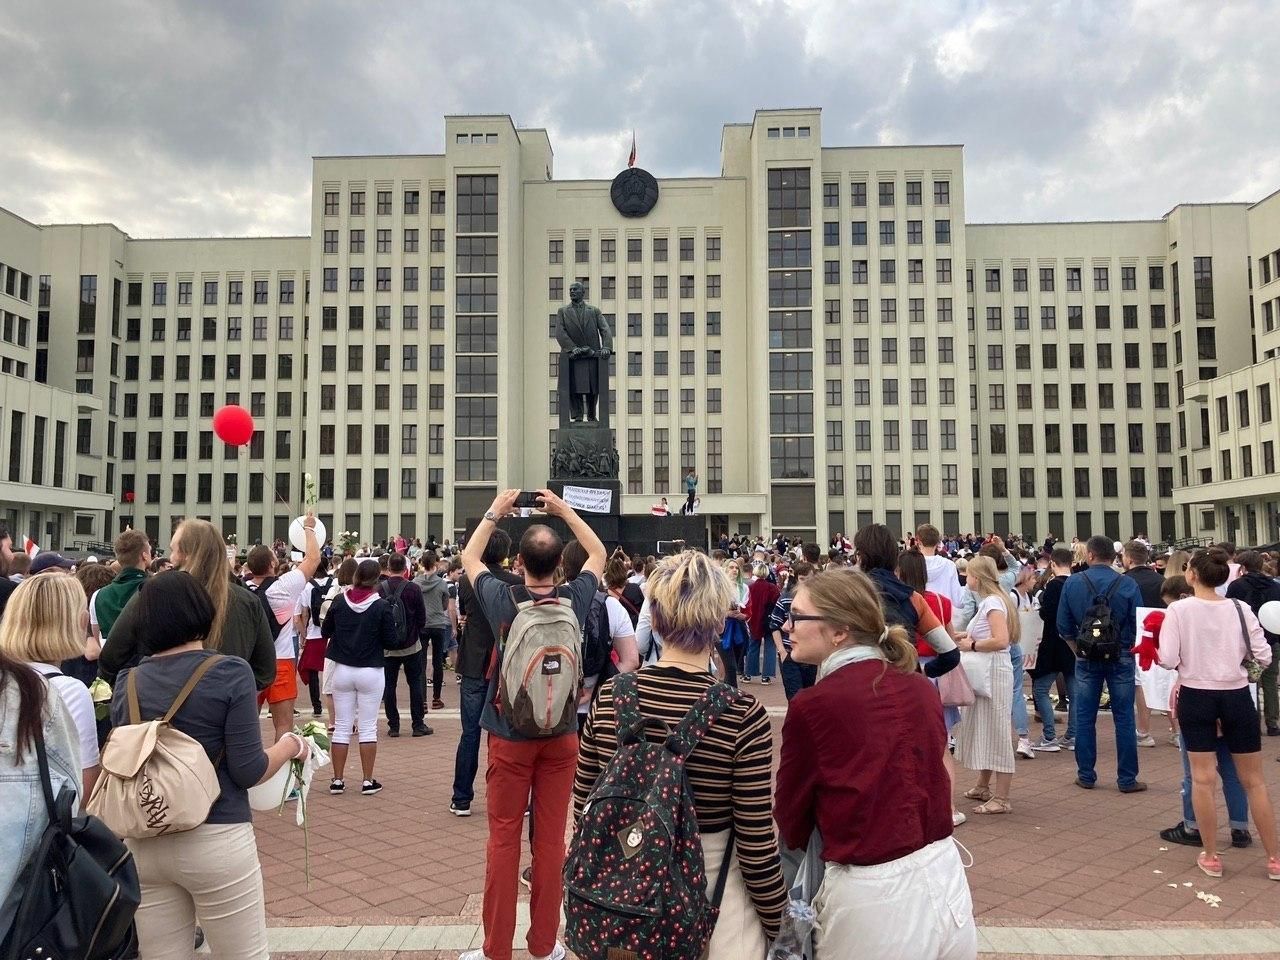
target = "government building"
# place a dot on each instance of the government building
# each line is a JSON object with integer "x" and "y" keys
{"x": 817, "y": 331}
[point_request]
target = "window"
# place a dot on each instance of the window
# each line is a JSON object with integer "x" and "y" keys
{"x": 1155, "y": 277}
{"x": 437, "y": 201}
{"x": 886, "y": 194}
{"x": 357, "y": 203}
{"x": 1203, "y": 280}
{"x": 942, "y": 231}
{"x": 1101, "y": 279}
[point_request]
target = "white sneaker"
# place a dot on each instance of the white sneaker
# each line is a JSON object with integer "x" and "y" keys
{"x": 1146, "y": 740}
{"x": 957, "y": 818}
{"x": 473, "y": 955}
{"x": 1024, "y": 749}
{"x": 557, "y": 954}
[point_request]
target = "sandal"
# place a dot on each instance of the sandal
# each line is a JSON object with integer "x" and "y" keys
{"x": 993, "y": 806}
{"x": 978, "y": 793}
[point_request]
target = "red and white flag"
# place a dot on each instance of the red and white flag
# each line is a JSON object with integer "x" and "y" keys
{"x": 30, "y": 547}
{"x": 631, "y": 160}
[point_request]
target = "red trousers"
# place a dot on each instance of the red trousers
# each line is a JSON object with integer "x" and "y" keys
{"x": 517, "y": 768}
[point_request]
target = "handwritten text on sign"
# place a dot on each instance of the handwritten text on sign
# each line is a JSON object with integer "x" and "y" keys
{"x": 589, "y": 499}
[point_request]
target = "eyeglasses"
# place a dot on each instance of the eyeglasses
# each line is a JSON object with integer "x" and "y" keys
{"x": 802, "y": 617}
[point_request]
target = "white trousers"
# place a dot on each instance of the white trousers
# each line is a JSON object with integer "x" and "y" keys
{"x": 357, "y": 693}
{"x": 738, "y": 934}
{"x": 914, "y": 908}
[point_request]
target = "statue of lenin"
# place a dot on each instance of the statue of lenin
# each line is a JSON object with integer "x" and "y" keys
{"x": 585, "y": 343}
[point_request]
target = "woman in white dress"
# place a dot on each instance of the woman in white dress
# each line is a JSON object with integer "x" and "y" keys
{"x": 983, "y": 741}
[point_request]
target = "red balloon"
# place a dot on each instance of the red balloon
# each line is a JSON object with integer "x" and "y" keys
{"x": 233, "y": 425}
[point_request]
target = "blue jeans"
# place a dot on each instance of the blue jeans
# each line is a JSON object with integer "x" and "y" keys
{"x": 467, "y": 760}
{"x": 797, "y": 677}
{"x": 1040, "y": 688}
{"x": 1021, "y": 724}
{"x": 1232, "y": 791}
{"x": 753, "y": 658}
{"x": 1120, "y": 681}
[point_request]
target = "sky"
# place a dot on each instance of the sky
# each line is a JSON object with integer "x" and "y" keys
{"x": 197, "y": 118}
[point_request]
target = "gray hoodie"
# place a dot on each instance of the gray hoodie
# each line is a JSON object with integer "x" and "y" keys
{"x": 435, "y": 596}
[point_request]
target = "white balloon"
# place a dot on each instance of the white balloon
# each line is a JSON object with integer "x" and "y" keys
{"x": 1269, "y": 616}
{"x": 299, "y": 539}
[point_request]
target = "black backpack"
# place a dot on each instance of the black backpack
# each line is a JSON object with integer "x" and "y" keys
{"x": 81, "y": 889}
{"x": 318, "y": 595}
{"x": 395, "y": 597}
{"x": 261, "y": 590}
{"x": 597, "y": 644}
{"x": 1098, "y": 638}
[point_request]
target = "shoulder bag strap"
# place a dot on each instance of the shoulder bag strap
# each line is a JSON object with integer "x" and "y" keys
{"x": 188, "y": 686}
{"x": 46, "y": 779}
{"x": 700, "y": 718}
{"x": 723, "y": 878}
{"x": 131, "y": 694}
{"x": 626, "y": 707}
{"x": 1244, "y": 633}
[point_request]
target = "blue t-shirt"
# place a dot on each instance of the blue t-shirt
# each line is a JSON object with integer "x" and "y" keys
{"x": 499, "y": 608}
{"x": 690, "y": 484}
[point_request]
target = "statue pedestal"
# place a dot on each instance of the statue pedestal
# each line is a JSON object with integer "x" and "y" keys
{"x": 586, "y": 459}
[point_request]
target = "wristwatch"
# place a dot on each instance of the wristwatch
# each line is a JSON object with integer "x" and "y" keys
{"x": 491, "y": 516}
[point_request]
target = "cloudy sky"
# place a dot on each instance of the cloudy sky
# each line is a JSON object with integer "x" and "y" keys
{"x": 200, "y": 118}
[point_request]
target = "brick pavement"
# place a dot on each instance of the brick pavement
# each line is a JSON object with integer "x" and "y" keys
{"x": 1065, "y": 857}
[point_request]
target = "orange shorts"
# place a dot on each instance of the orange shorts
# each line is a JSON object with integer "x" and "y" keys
{"x": 285, "y": 685}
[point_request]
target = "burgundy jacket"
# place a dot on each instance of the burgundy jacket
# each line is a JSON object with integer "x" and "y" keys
{"x": 862, "y": 761}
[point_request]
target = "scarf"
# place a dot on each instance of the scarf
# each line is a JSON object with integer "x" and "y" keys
{"x": 851, "y": 653}
{"x": 113, "y": 597}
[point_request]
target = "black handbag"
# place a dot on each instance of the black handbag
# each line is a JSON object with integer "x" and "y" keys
{"x": 80, "y": 889}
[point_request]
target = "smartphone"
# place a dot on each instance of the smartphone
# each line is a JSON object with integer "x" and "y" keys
{"x": 529, "y": 499}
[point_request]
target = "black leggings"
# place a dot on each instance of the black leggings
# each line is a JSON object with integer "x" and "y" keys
{"x": 1200, "y": 712}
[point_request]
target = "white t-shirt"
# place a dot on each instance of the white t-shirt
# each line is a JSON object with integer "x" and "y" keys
{"x": 283, "y": 595}
{"x": 619, "y": 620}
{"x": 75, "y": 695}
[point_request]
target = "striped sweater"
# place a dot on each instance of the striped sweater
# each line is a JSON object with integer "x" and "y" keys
{"x": 729, "y": 771}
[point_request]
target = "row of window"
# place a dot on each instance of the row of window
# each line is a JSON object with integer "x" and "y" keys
{"x": 1246, "y": 462}
{"x": 15, "y": 283}
{"x": 235, "y": 292}
{"x": 1268, "y": 267}
{"x": 1242, "y": 408}
{"x": 209, "y": 328}
{"x": 892, "y": 487}
{"x": 382, "y": 279}
{"x": 888, "y": 232}
{"x": 16, "y": 329}
{"x": 635, "y": 250}
{"x": 356, "y": 202}
{"x": 1082, "y": 486}
{"x": 233, "y": 364}
{"x": 885, "y": 193}
{"x": 39, "y": 443}
{"x": 1080, "y": 433}
{"x": 661, "y": 475}
{"x": 409, "y": 242}
{"x": 1075, "y": 317}
{"x": 1075, "y": 356}
{"x": 635, "y": 291}
{"x": 1081, "y": 396}
{"x": 1101, "y": 279}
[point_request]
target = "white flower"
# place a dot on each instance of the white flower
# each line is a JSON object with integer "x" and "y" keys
{"x": 306, "y": 477}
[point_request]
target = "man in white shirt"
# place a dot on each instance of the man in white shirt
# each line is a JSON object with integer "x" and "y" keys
{"x": 943, "y": 578}
{"x": 281, "y": 595}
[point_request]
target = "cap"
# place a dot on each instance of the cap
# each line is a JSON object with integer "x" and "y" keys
{"x": 49, "y": 560}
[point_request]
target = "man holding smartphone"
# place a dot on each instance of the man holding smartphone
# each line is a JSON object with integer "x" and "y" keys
{"x": 516, "y": 761}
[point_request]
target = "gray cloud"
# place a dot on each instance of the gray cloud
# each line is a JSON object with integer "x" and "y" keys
{"x": 185, "y": 119}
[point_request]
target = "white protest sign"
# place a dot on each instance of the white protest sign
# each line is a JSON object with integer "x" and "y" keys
{"x": 589, "y": 499}
{"x": 1156, "y": 683}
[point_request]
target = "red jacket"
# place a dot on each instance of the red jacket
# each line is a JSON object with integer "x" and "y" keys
{"x": 862, "y": 761}
{"x": 761, "y": 597}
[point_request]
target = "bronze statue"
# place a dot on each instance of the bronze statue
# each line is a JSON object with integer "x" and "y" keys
{"x": 585, "y": 343}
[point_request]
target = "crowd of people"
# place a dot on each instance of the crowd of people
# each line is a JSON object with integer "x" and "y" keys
{"x": 907, "y": 665}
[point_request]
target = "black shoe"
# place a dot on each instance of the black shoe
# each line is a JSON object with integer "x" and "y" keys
{"x": 1273, "y": 730}
{"x": 1241, "y": 838}
{"x": 370, "y": 787}
{"x": 336, "y": 786}
{"x": 460, "y": 809}
{"x": 526, "y": 877}
{"x": 766, "y": 680}
{"x": 1136, "y": 787}
{"x": 393, "y": 732}
{"x": 1084, "y": 784}
{"x": 423, "y": 731}
{"x": 1180, "y": 834}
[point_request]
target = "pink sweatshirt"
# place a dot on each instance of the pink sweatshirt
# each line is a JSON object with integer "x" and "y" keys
{"x": 1202, "y": 640}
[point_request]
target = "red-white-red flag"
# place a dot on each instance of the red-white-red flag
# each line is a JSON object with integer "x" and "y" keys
{"x": 30, "y": 547}
{"x": 631, "y": 160}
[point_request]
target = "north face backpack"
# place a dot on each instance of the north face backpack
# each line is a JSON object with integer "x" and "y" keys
{"x": 81, "y": 886}
{"x": 541, "y": 666}
{"x": 1098, "y": 638}
{"x": 398, "y": 612}
{"x": 635, "y": 882}
{"x": 155, "y": 779}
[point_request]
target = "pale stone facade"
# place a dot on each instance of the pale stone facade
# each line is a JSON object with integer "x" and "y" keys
{"x": 816, "y": 331}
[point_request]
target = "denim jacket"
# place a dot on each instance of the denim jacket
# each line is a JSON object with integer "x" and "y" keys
{"x": 23, "y": 817}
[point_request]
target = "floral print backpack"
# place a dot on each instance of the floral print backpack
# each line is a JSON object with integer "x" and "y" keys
{"x": 635, "y": 885}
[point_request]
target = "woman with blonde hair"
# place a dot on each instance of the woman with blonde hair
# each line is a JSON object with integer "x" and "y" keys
{"x": 1176, "y": 565}
{"x": 983, "y": 743}
{"x": 239, "y": 626}
{"x": 875, "y": 787}
{"x": 729, "y": 768}
{"x": 1079, "y": 557}
{"x": 45, "y": 622}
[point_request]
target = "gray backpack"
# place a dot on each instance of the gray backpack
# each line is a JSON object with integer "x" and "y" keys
{"x": 541, "y": 666}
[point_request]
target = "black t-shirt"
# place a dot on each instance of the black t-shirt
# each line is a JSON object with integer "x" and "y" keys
{"x": 476, "y": 643}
